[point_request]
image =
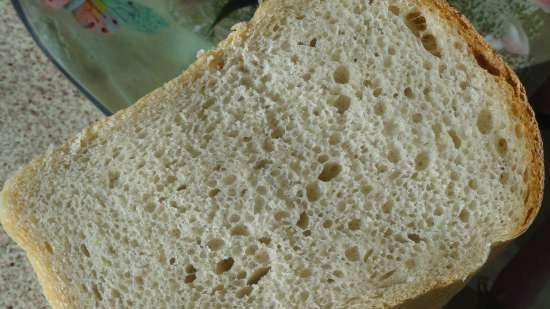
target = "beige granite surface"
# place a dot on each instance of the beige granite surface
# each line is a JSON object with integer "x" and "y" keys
{"x": 39, "y": 108}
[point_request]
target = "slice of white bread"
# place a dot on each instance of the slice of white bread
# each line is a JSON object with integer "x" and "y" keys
{"x": 328, "y": 154}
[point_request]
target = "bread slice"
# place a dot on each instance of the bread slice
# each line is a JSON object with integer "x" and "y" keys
{"x": 328, "y": 154}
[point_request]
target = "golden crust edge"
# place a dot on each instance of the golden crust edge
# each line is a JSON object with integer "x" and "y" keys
{"x": 520, "y": 107}
{"x": 439, "y": 294}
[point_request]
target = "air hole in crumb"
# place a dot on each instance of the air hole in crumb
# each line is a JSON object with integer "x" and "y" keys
{"x": 175, "y": 233}
{"x": 313, "y": 42}
{"x": 257, "y": 275}
{"x": 234, "y": 218}
{"x": 422, "y": 161}
{"x": 387, "y": 275}
{"x": 262, "y": 257}
{"x": 464, "y": 215}
{"x": 379, "y": 108}
{"x": 259, "y": 203}
{"x": 454, "y": 176}
{"x": 304, "y": 273}
{"x": 354, "y": 224}
{"x": 414, "y": 237}
{"x": 327, "y": 224}
{"x": 178, "y": 119}
{"x": 215, "y": 244}
{"x": 417, "y": 118}
{"x": 280, "y": 215}
{"x": 416, "y": 22}
{"x": 229, "y": 179}
{"x": 504, "y": 177}
{"x": 190, "y": 278}
{"x": 427, "y": 91}
{"x": 430, "y": 44}
{"x": 115, "y": 293}
{"x": 277, "y": 132}
{"x": 472, "y": 184}
{"x": 341, "y": 75}
{"x": 313, "y": 192}
{"x": 342, "y": 103}
{"x": 394, "y": 155}
{"x": 408, "y": 93}
{"x": 214, "y": 192}
{"x": 330, "y": 171}
{"x": 190, "y": 269}
{"x": 265, "y": 240}
{"x": 367, "y": 189}
{"x": 171, "y": 179}
{"x": 244, "y": 292}
{"x": 96, "y": 292}
{"x": 224, "y": 265}
{"x": 367, "y": 255}
{"x": 457, "y": 45}
{"x": 390, "y": 128}
{"x": 113, "y": 178}
{"x": 251, "y": 250}
{"x": 239, "y": 230}
{"x": 338, "y": 274}
{"x": 262, "y": 164}
{"x": 172, "y": 261}
{"x": 485, "y": 122}
{"x": 502, "y": 146}
{"x": 352, "y": 254}
{"x": 85, "y": 250}
{"x": 394, "y": 9}
{"x": 335, "y": 139}
{"x": 455, "y": 138}
{"x": 387, "y": 207}
{"x": 241, "y": 275}
{"x": 303, "y": 221}
{"x": 150, "y": 207}
{"x": 377, "y": 92}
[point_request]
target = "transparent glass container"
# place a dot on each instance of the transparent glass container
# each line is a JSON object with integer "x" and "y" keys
{"x": 147, "y": 47}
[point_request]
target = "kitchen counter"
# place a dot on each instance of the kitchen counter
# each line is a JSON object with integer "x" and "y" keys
{"x": 39, "y": 108}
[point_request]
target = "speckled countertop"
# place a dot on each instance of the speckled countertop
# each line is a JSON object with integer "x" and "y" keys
{"x": 39, "y": 107}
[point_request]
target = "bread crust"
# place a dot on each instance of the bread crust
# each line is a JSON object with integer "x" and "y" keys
{"x": 441, "y": 293}
{"x": 519, "y": 105}
{"x": 13, "y": 197}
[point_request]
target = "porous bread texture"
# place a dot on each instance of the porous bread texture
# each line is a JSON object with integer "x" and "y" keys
{"x": 329, "y": 154}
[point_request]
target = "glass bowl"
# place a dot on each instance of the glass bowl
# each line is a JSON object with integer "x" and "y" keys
{"x": 116, "y": 51}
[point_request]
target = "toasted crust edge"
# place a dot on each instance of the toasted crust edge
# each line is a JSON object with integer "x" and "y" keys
{"x": 435, "y": 296}
{"x": 441, "y": 293}
{"x": 520, "y": 108}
